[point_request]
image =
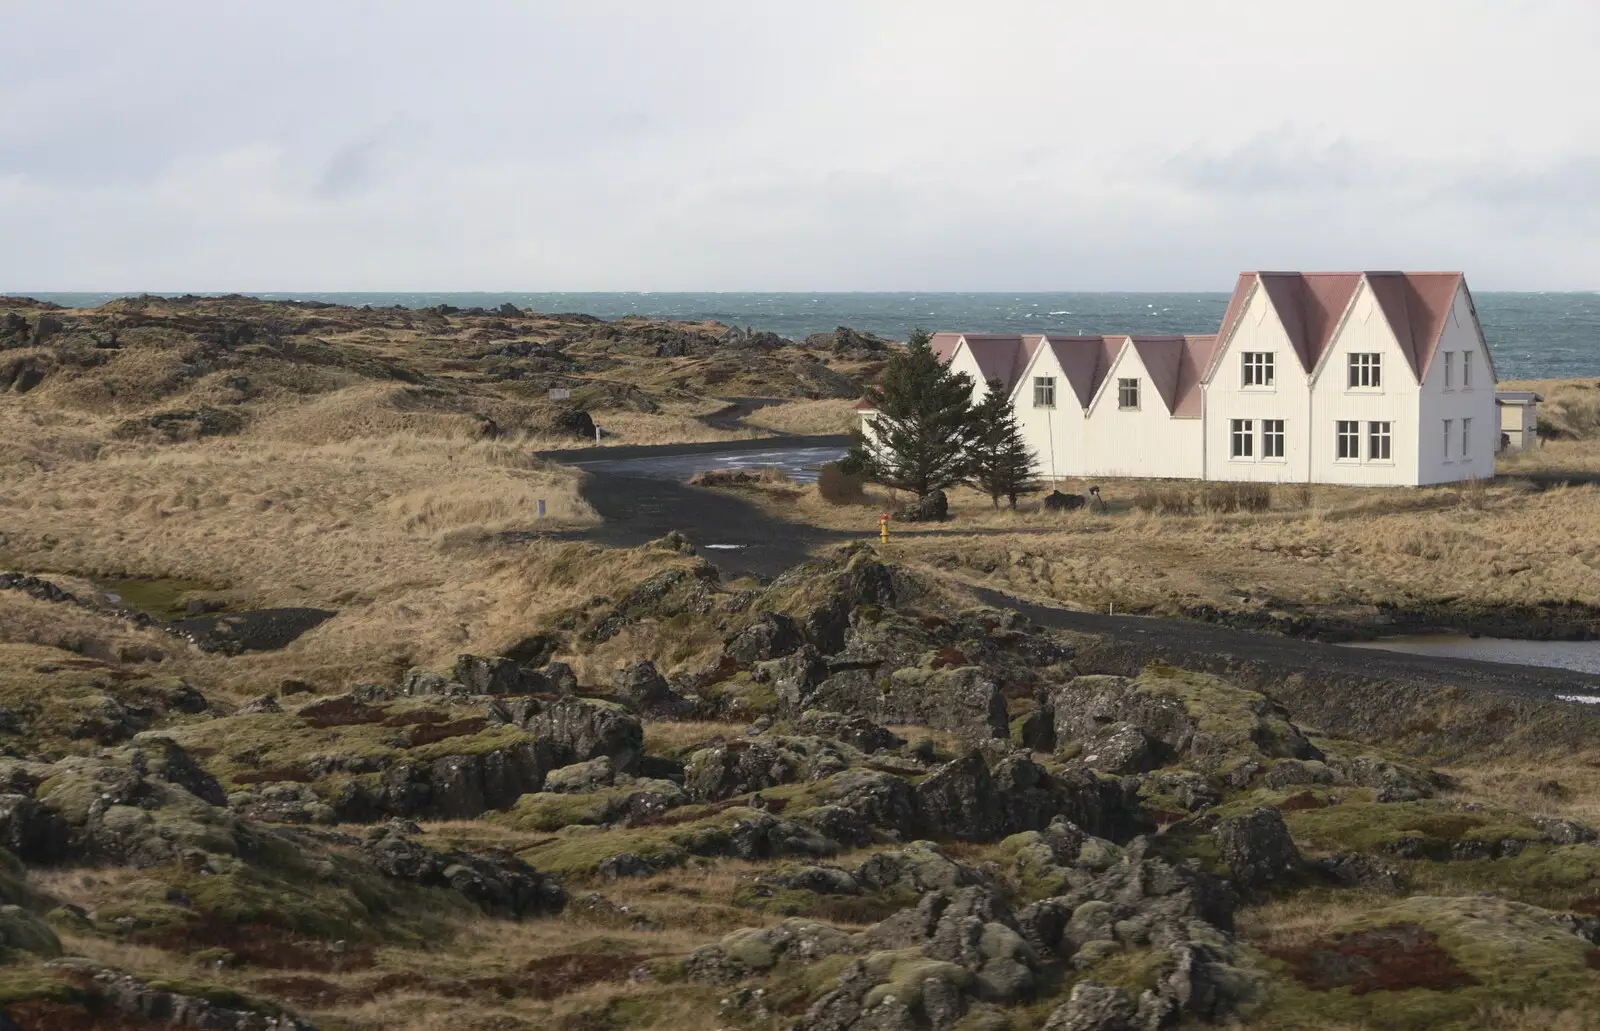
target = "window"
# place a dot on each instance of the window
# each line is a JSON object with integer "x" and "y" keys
{"x": 1244, "y": 438}
{"x": 1466, "y": 370}
{"x": 1379, "y": 441}
{"x": 1466, "y": 438}
{"x": 1271, "y": 438}
{"x": 1447, "y": 424}
{"x": 1366, "y": 370}
{"x": 1449, "y": 369}
{"x": 1348, "y": 435}
{"x": 1127, "y": 393}
{"x": 1044, "y": 391}
{"x": 1258, "y": 369}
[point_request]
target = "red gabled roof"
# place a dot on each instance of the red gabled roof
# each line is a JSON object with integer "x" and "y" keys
{"x": 1000, "y": 356}
{"x": 1241, "y": 290}
{"x": 1085, "y": 361}
{"x": 1310, "y": 304}
{"x": 1176, "y": 365}
{"x": 944, "y": 345}
{"x": 1417, "y": 305}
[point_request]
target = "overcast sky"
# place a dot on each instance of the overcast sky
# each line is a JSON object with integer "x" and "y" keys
{"x": 591, "y": 145}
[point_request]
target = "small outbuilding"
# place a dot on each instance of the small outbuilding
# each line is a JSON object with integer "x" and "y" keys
{"x": 1519, "y": 418}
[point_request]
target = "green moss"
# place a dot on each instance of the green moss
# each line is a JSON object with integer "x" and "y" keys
{"x": 551, "y": 811}
{"x": 901, "y": 973}
{"x": 23, "y": 982}
{"x": 1371, "y": 827}
{"x": 162, "y": 597}
{"x": 1519, "y": 956}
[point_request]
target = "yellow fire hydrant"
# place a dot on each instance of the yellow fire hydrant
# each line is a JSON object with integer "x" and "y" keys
{"x": 883, "y": 527}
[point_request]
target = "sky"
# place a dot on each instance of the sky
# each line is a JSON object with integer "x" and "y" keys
{"x": 175, "y": 145}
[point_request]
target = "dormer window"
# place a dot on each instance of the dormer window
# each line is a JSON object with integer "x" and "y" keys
{"x": 1366, "y": 370}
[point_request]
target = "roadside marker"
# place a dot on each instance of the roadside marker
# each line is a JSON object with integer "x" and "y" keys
{"x": 883, "y": 527}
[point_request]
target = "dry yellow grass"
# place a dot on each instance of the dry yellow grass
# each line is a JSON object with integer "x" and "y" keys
{"x": 1327, "y": 545}
{"x": 829, "y": 415}
{"x": 395, "y": 532}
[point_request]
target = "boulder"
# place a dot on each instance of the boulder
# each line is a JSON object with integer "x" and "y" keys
{"x": 580, "y": 729}
{"x": 461, "y": 787}
{"x": 856, "y": 731}
{"x": 793, "y": 677}
{"x": 756, "y": 950}
{"x": 498, "y": 882}
{"x": 491, "y": 675}
{"x": 931, "y": 507}
{"x": 735, "y": 768}
{"x": 773, "y": 635}
{"x": 1093, "y": 1006}
{"x": 581, "y": 778}
{"x": 1119, "y": 748}
{"x": 963, "y": 700}
{"x": 643, "y": 687}
{"x": 1257, "y": 848}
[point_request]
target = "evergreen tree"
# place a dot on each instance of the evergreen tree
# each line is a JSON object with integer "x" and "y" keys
{"x": 923, "y": 429}
{"x": 1002, "y": 464}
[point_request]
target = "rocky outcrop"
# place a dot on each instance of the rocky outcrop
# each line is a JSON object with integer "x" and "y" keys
{"x": 772, "y": 635}
{"x": 576, "y": 730}
{"x": 455, "y": 787}
{"x": 736, "y": 768}
{"x": 642, "y": 687}
{"x": 756, "y": 950}
{"x": 499, "y": 883}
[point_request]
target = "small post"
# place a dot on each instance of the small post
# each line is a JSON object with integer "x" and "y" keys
{"x": 597, "y": 433}
{"x": 541, "y": 508}
{"x": 883, "y": 528}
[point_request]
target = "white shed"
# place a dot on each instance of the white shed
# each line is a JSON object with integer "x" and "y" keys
{"x": 1519, "y": 418}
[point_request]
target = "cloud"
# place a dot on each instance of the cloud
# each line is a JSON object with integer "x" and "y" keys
{"x": 712, "y": 145}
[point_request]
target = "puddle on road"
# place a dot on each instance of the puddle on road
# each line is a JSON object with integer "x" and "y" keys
{"x": 1582, "y": 656}
{"x": 802, "y": 465}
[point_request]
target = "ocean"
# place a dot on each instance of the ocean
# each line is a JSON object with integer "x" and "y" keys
{"x": 1531, "y": 335}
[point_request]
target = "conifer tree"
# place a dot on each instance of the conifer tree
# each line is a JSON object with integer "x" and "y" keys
{"x": 923, "y": 430}
{"x": 1002, "y": 464}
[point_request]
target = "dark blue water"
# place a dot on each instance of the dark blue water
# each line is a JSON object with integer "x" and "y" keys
{"x": 1532, "y": 335}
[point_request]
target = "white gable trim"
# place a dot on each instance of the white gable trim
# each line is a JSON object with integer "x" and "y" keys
{"x": 1477, "y": 327}
{"x": 1025, "y": 377}
{"x": 1111, "y": 374}
{"x": 1224, "y": 340}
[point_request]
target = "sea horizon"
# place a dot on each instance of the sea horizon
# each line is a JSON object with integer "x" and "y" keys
{"x": 1532, "y": 334}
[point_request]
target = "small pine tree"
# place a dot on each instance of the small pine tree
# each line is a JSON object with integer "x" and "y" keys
{"x": 1002, "y": 464}
{"x": 921, "y": 434}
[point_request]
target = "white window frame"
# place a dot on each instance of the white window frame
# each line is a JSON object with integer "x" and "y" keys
{"x": 1242, "y": 440}
{"x": 1366, "y": 370}
{"x": 1466, "y": 438}
{"x": 1258, "y": 371}
{"x": 1124, "y": 385}
{"x": 1044, "y": 387}
{"x": 1375, "y": 435}
{"x": 1282, "y": 435}
{"x": 1466, "y": 370}
{"x": 1449, "y": 370}
{"x": 1341, "y": 435}
{"x": 1449, "y": 427}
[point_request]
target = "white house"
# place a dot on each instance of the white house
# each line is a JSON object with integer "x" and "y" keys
{"x": 1350, "y": 377}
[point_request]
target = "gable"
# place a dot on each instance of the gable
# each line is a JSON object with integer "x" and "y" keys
{"x": 1310, "y": 306}
{"x": 1255, "y": 326}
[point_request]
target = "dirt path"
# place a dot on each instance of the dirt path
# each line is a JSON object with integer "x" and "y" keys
{"x": 742, "y": 538}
